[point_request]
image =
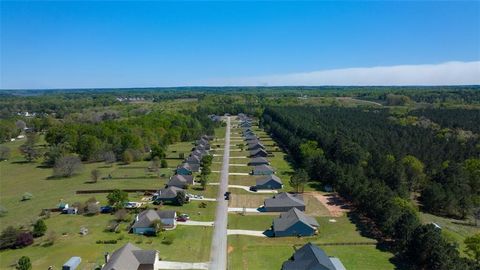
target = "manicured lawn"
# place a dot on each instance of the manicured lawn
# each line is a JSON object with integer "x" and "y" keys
{"x": 245, "y": 250}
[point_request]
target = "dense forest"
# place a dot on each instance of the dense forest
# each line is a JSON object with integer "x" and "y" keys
{"x": 383, "y": 165}
{"x": 455, "y": 118}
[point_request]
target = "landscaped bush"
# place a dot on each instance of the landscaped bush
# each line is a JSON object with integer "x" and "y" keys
{"x": 3, "y": 211}
{"x": 27, "y": 196}
{"x": 113, "y": 241}
{"x": 168, "y": 239}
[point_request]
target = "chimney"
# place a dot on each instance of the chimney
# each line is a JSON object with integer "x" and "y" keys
{"x": 107, "y": 257}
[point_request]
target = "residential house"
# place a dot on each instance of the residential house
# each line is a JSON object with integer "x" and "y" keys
{"x": 283, "y": 202}
{"x": 193, "y": 159}
{"x": 262, "y": 170}
{"x": 167, "y": 195}
{"x": 130, "y": 257}
{"x": 202, "y": 147}
{"x": 294, "y": 223}
{"x": 258, "y": 161}
{"x": 180, "y": 181}
{"x": 255, "y": 146}
{"x": 250, "y": 137}
{"x": 199, "y": 152}
{"x": 269, "y": 182}
{"x": 187, "y": 168}
{"x": 145, "y": 221}
{"x": 311, "y": 257}
{"x": 258, "y": 153}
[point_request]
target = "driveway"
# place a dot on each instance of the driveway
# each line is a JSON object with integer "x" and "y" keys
{"x": 248, "y": 210}
{"x": 182, "y": 265}
{"x": 248, "y": 232}
{"x": 196, "y": 223}
{"x": 218, "y": 251}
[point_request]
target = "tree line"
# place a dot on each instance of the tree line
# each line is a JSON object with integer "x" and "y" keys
{"x": 380, "y": 166}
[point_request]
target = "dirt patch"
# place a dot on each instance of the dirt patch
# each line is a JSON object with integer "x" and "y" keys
{"x": 336, "y": 205}
{"x": 230, "y": 249}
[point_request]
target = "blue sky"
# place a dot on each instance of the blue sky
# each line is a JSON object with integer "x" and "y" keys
{"x": 65, "y": 44}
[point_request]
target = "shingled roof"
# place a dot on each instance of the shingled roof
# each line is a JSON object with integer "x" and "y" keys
{"x": 285, "y": 199}
{"x": 265, "y": 180}
{"x": 287, "y": 219}
{"x": 309, "y": 257}
{"x": 169, "y": 192}
{"x": 180, "y": 180}
{"x": 147, "y": 217}
{"x": 130, "y": 257}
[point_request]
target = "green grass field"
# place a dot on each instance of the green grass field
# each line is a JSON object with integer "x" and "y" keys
{"x": 245, "y": 250}
{"x": 17, "y": 177}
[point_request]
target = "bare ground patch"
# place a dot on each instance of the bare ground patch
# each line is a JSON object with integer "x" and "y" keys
{"x": 335, "y": 205}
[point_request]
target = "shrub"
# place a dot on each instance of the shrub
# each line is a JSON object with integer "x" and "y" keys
{"x": 24, "y": 239}
{"x": 8, "y": 237}
{"x": 202, "y": 205}
{"x": 3, "y": 211}
{"x": 163, "y": 163}
{"x": 168, "y": 239}
{"x": 122, "y": 215}
{"x": 24, "y": 263}
{"x": 27, "y": 196}
{"x": 39, "y": 228}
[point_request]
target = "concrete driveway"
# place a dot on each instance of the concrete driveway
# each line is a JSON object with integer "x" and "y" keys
{"x": 182, "y": 265}
{"x": 196, "y": 223}
{"x": 248, "y": 232}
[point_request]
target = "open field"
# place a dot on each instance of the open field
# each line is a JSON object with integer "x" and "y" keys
{"x": 18, "y": 177}
{"x": 456, "y": 230}
{"x": 188, "y": 240}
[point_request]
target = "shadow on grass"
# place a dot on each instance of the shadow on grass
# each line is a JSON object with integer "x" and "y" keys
{"x": 21, "y": 162}
{"x": 367, "y": 228}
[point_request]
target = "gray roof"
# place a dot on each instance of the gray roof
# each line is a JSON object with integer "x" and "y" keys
{"x": 309, "y": 257}
{"x": 288, "y": 219}
{"x": 255, "y": 144}
{"x": 169, "y": 192}
{"x": 271, "y": 177}
{"x": 259, "y": 160}
{"x": 263, "y": 168}
{"x": 190, "y": 166}
{"x": 193, "y": 159}
{"x": 167, "y": 214}
{"x": 146, "y": 218}
{"x": 130, "y": 257}
{"x": 180, "y": 180}
{"x": 285, "y": 199}
{"x": 254, "y": 152}
{"x": 199, "y": 152}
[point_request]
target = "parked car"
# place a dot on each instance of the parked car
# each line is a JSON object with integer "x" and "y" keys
{"x": 184, "y": 216}
{"x": 227, "y": 195}
{"x": 182, "y": 219}
{"x": 106, "y": 209}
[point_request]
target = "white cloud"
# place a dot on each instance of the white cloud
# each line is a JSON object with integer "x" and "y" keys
{"x": 449, "y": 73}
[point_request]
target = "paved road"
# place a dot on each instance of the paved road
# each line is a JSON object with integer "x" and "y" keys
{"x": 218, "y": 252}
